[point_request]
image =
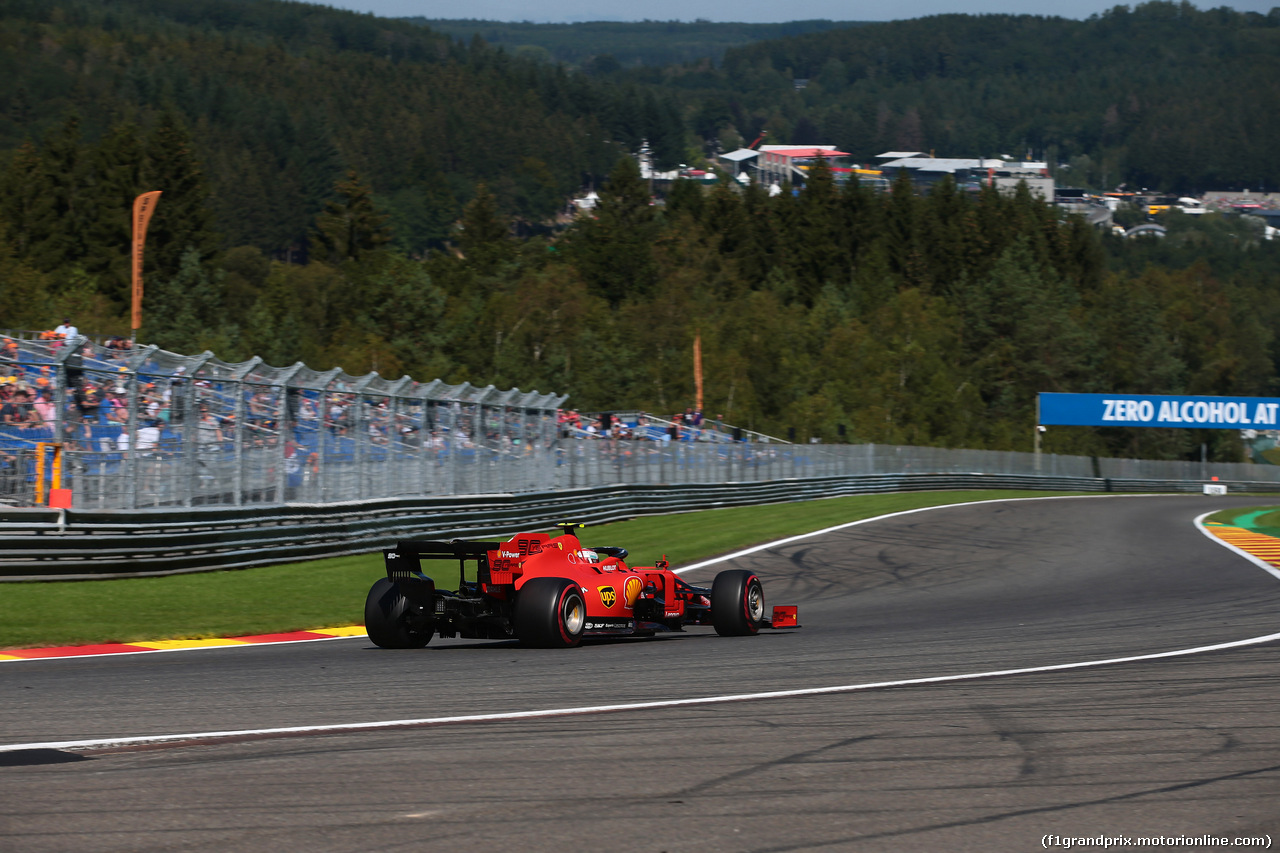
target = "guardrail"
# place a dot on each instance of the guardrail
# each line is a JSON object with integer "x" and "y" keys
{"x": 41, "y": 544}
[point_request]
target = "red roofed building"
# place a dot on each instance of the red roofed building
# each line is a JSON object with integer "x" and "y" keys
{"x": 778, "y": 164}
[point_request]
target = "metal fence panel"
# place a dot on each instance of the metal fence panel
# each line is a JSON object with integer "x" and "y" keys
{"x": 148, "y": 428}
{"x": 151, "y": 429}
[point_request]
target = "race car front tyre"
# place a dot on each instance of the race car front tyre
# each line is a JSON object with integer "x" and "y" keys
{"x": 550, "y": 613}
{"x": 737, "y": 603}
{"x": 389, "y": 621}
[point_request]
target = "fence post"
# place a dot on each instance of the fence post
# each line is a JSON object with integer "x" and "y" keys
{"x": 451, "y": 448}
{"x": 60, "y": 431}
{"x": 189, "y": 437}
{"x": 131, "y": 451}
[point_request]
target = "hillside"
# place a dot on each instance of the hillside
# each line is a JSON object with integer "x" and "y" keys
{"x": 605, "y": 46}
{"x": 1162, "y": 95}
{"x": 282, "y": 98}
{"x": 370, "y": 194}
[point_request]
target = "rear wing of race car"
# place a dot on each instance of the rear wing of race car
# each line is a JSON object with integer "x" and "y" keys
{"x": 404, "y": 561}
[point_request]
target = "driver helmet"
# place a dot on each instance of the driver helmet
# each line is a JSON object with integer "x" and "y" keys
{"x": 589, "y": 555}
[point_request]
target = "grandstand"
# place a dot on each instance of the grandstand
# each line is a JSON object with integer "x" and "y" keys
{"x": 146, "y": 427}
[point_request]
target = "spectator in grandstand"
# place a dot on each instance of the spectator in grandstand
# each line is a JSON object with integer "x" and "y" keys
{"x": 74, "y": 366}
{"x": 307, "y": 411}
{"x": 115, "y": 396}
{"x": 292, "y": 469}
{"x": 117, "y": 351}
{"x": 336, "y": 415}
{"x": 44, "y": 407}
{"x": 150, "y": 402}
{"x": 380, "y": 423}
{"x": 173, "y": 395}
{"x": 66, "y": 331}
{"x": 409, "y": 435}
{"x": 88, "y": 400}
{"x": 43, "y": 379}
{"x": 149, "y": 435}
{"x": 571, "y": 423}
{"x": 17, "y": 411}
{"x": 210, "y": 431}
{"x": 260, "y": 407}
{"x": 204, "y": 390}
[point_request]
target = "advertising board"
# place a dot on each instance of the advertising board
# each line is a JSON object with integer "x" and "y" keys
{"x": 1153, "y": 410}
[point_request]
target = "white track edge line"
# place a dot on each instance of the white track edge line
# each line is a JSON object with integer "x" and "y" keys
{"x": 102, "y": 743}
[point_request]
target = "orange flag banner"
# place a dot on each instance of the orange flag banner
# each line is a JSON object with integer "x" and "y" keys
{"x": 143, "y": 206}
{"x": 697, "y": 369}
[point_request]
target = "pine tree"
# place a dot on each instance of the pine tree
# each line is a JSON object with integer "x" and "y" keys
{"x": 614, "y": 251}
{"x": 350, "y": 226}
{"x": 486, "y": 236}
{"x": 115, "y": 167}
{"x": 818, "y": 241}
{"x": 902, "y": 231}
{"x": 21, "y": 189}
{"x": 185, "y": 313}
{"x": 54, "y": 221}
{"x": 183, "y": 219}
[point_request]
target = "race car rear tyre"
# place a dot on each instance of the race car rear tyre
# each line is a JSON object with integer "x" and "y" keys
{"x": 388, "y": 621}
{"x": 550, "y": 613}
{"x": 737, "y": 603}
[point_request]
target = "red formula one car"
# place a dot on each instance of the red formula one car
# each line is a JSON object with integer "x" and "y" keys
{"x": 551, "y": 591}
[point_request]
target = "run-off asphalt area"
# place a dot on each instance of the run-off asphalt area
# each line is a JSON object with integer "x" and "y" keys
{"x": 1183, "y": 746}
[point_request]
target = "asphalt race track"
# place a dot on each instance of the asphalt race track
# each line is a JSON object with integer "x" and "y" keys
{"x": 1178, "y": 746}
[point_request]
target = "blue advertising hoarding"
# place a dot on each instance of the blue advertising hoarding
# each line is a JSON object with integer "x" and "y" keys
{"x": 1153, "y": 410}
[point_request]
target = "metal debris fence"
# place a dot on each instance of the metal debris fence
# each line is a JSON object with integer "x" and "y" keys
{"x": 150, "y": 428}
{"x": 153, "y": 429}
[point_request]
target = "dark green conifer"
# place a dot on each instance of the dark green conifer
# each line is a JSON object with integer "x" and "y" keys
{"x": 614, "y": 250}
{"x": 183, "y": 219}
{"x": 350, "y": 226}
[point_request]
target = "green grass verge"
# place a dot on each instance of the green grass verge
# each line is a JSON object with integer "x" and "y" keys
{"x": 331, "y": 592}
{"x": 1261, "y": 519}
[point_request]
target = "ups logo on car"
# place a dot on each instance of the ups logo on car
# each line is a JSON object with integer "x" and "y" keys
{"x": 607, "y": 596}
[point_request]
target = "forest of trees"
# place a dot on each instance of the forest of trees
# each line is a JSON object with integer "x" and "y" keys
{"x": 1161, "y": 95}
{"x": 283, "y": 98}
{"x": 603, "y": 47}
{"x": 354, "y": 192}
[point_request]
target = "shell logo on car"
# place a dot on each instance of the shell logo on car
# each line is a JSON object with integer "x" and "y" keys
{"x": 631, "y": 590}
{"x": 608, "y": 596}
